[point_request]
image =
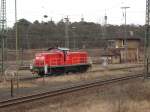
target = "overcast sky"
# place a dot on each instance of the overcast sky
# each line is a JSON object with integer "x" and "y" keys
{"x": 91, "y": 10}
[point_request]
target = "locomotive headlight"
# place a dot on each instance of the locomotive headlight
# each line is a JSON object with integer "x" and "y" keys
{"x": 31, "y": 66}
{"x": 37, "y": 58}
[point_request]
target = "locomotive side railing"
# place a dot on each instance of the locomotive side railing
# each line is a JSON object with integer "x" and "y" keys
{"x": 73, "y": 60}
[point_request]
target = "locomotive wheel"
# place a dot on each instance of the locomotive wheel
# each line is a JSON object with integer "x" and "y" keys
{"x": 57, "y": 71}
{"x": 78, "y": 69}
{"x": 41, "y": 73}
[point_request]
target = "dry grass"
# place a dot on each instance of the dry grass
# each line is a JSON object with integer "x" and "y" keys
{"x": 133, "y": 97}
{"x": 72, "y": 78}
{"x": 87, "y": 76}
{"x": 7, "y": 85}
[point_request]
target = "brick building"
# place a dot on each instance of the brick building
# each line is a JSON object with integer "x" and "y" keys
{"x": 125, "y": 50}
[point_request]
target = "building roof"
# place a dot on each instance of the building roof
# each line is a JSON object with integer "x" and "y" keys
{"x": 63, "y": 49}
{"x": 59, "y": 48}
{"x": 128, "y": 38}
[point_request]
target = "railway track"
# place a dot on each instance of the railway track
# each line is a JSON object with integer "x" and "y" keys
{"x": 91, "y": 71}
{"x": 120, "y": 68}
{"x": 65, "y": 90}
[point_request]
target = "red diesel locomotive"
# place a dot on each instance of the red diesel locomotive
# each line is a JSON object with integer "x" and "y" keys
{"x": 59, "y": 61}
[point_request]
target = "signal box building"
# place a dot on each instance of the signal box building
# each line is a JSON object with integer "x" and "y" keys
{"x": 123, "y": 50}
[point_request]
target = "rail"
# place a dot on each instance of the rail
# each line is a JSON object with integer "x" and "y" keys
{"x": 69, "y": 89}
{"x": 91, "y": 71}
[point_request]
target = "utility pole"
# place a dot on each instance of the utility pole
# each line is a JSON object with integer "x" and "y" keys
{"x": 104, "y": 29}
{"x": 105, "y": 19}
{"x": 82, "y": 18}
{"x": 3, "y": 24}
{"x": 66, "y": 32}
{"x": 16, "y": 32}
{"x": 17, "y": 53}
{"x": 125, "y": 33}
{"x": 74, "y": 37}
{"x": 147, "y": 40}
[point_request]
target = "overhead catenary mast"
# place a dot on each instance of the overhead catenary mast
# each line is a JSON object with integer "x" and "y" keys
{"x": 104, "y": 28}
{"x": 82, "y": 18}
{"x": 3, "y": 24}
{"x": 147, "y": 40}
{"x": 66, "y": 32}
{"x": 125, "y": 33}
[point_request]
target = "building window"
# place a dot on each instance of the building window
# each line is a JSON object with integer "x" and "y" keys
{"x": 111, "y": 44}
{"x": 123, "y": 43}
